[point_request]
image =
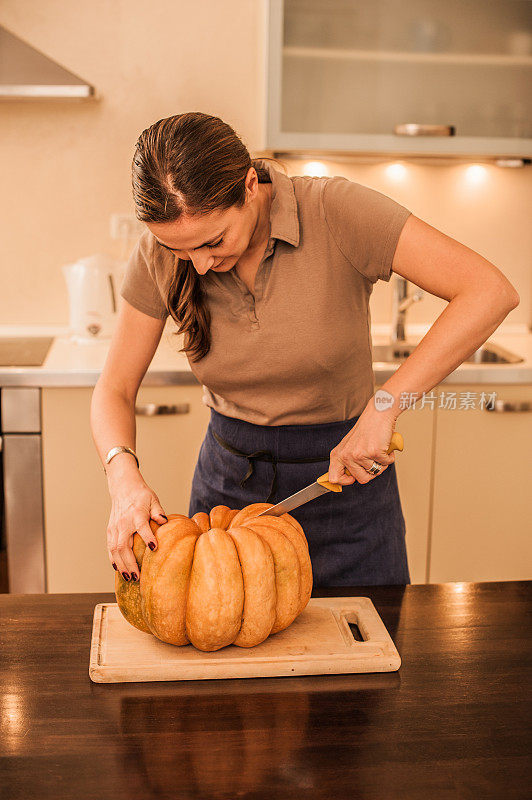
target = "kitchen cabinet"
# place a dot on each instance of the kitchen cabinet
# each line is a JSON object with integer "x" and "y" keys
{"x": 481, "y": 526}
{"x": 343, "y": 74}
{"x": 76, "y": 498}
{"x": 414, "y": 474}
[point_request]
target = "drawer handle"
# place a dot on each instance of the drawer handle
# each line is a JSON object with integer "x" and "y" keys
{"x": 413, "y": 129}
{"x": 506, "y": 407}
{"x": 155, "y": 410}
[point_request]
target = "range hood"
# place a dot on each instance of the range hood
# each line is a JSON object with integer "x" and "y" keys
{"x": 27, "y": 74}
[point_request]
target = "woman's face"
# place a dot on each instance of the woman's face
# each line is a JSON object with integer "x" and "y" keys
{"x": 215, "y": 240}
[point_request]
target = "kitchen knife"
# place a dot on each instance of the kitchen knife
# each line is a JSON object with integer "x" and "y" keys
{"x": 319, "y": 487}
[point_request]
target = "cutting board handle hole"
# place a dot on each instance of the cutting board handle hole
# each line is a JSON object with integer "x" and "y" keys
{"x": 355, "y": 630}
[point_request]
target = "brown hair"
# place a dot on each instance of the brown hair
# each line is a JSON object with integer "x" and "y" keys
{"x": 190, "y": 163}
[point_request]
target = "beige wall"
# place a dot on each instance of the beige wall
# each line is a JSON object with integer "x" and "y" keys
{"x": 65, "y": 166}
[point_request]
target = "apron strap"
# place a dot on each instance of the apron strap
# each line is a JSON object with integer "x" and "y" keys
{"x": 265, "y": 455}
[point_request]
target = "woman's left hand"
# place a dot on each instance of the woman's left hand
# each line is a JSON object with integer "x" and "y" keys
{"x": 366, "y": 442}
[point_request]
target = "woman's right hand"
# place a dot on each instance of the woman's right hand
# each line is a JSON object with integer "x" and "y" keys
{"x": 133, "y": 504}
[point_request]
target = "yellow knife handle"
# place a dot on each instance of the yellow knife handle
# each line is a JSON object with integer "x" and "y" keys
{"x": 396, "y": 443}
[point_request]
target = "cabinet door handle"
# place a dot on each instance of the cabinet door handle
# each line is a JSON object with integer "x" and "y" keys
{"x": 507, "y": 406}
{"x": 155, "y": 410}
{"x": 414, "y": 129}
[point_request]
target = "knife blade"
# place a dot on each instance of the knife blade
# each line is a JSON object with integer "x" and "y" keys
{"x": 320, "y": 486}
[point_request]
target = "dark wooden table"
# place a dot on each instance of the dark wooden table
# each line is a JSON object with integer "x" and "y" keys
{"x": 454, "y": 722}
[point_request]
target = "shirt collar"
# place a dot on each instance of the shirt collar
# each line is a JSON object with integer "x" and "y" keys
{"x": 284, "y": 220}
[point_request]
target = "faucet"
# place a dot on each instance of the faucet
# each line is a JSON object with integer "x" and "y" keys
{"x": 401, "y": 301}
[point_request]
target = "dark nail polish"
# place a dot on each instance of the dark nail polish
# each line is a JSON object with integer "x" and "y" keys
{"x": 134, "y": 576}
{"x": 114, "y": 566}
{"x": 125, "y": 575}
{"x": 151, "y": 545}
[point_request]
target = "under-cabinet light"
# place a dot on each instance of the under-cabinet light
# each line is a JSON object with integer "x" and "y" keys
{"x": 512, "y": 162}
{"x": 316, "y": 169}
{"x": 396, "y": 171}
{"x": 476, "y": 174}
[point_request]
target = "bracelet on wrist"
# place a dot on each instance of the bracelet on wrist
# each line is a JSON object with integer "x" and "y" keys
{"x": 114, "y": 451}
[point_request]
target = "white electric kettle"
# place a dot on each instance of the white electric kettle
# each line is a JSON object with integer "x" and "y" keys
{"x": 92, "y": 284}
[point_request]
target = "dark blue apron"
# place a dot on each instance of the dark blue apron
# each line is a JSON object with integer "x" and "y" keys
{"x": 356, "y": 537}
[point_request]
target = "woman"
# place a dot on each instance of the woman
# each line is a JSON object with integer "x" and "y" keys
{"x": 268, "y": 278}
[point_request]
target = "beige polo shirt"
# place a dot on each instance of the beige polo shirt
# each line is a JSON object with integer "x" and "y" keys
{"x": 299, "y": 350}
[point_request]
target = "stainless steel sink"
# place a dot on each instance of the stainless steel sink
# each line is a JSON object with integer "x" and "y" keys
{"x": 488, "y": 353}
{"x": 24, "y": 351}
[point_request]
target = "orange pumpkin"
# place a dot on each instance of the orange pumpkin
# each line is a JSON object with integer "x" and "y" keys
{"x": 228, "y": 577}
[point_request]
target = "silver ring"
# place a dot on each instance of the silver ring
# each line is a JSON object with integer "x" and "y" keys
{"x": 374, "y": 469}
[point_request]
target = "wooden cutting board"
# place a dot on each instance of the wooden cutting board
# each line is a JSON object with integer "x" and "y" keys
{"x": 318, "y": 642}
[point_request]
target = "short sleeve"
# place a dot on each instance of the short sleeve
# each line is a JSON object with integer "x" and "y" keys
{"x": 365, "y": 224}
{"x": 139, "y": 286}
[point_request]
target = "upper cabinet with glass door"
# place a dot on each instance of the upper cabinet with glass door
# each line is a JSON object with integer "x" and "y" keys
{"x": 350, "y": 75}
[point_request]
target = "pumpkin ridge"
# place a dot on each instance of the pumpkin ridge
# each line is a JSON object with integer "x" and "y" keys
{"x": 286, "y": 560}
{"x": 187, "y": 591}
{"x": 155, "y": 568}
{"x": 155, "y": 607}
{"x": 292, "y": 534}
{"x": 243, "y": 582}
{"x": 260, "y": 594}
{"x": 163, "y": 612}
{"x": 213, "y": 620}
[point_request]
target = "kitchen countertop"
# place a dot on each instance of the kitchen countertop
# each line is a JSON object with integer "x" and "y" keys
{"x": 71, "y": 364}
{"x": 454, "y": 722}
